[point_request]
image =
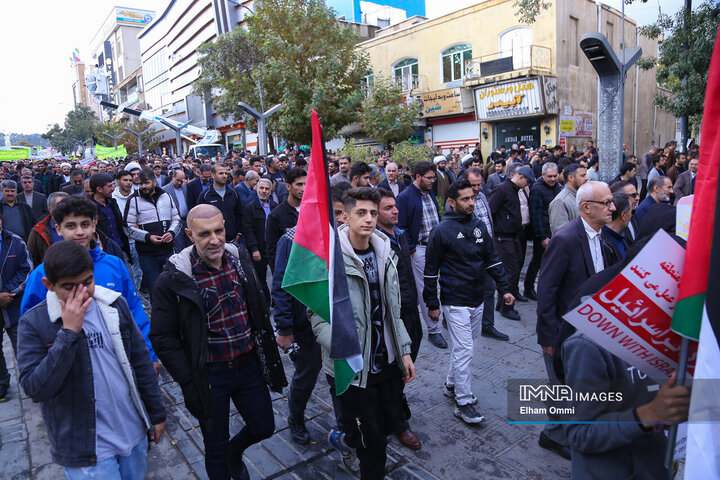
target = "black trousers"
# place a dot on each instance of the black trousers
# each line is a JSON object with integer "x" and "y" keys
{"x": 534, "y": 266}
{"x": 509, "y": 248}
{"x": 12, "y": 333}
{"x": 245, "y": 386}
{"x": 411, "y": 320}
{"x": 370, "y": 414}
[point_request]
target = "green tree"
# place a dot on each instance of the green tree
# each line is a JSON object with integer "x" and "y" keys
{"x": 386, "y": 115}
{"x": 528, "y": 10}
{"x": 57, "y": 138}
{"x": 80, "y": 124}
{"x": 685, "y": 53}
{"x": 115, "y": 129}
{"x": 356, "y": 152}
{"x": 296, "y": 54}
{"x": 408, "y": 154}
{"x": 24, "y": 143}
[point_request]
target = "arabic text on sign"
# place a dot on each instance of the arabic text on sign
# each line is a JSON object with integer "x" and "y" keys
{"x": 505, "y": 89}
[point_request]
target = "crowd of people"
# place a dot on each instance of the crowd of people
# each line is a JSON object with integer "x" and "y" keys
{"x": 440, "y": 243}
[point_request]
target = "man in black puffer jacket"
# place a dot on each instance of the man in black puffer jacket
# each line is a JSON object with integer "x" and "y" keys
{"x": 211, "y": 328}
{"x": 461, "y": 249}
{"x": 543, "y": 192}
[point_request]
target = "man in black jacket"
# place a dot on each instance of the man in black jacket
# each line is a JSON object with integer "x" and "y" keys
{"x": 507, "y": 219}
{"x": 225, "y": 199}
{"x": 285, "y": 216}
{"x": 461, "y": 250}
{"x": 110, "y": 220}
{"x": 543, "y": 192}
{"x": 254, "y": 219}
{"x": 211, "y": 329}
{"x": 387, "y": 223}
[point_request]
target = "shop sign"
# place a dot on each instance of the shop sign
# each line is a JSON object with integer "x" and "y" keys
{"x": 521, "y": 98}
{"x": 131, "y": 16}
{"x": 441, "y": 102}
{"x": 578, "y": 125}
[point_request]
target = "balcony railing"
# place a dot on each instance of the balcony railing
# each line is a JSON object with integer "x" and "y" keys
{"x": 410, "y": 82}
{"x": 531, "y": 56}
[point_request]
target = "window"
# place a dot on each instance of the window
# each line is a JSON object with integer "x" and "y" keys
{"x": 406, "y": 73}
{"x": 515, "y": 43}
{"x": 453, "y": 62}
{"x": 574, "y": 47}
{"x": 383, "y": 22}
{"x": 368, "y": 81}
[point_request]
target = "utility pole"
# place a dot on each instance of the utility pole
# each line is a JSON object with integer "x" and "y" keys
{"x": 262, "y": 123}
{"x": 684, "y": 119}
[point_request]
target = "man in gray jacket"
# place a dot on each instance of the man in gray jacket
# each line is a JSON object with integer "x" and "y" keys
{"x": 563, "y": 209}
{"x": 371, "y": 406}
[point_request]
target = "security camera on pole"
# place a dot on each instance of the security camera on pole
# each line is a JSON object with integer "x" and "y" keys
{"x": 611, "y": 113}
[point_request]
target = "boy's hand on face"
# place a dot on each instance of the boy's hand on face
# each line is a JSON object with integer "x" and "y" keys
{"x": 409, "y": 368}
{"x": 74, "y": 308}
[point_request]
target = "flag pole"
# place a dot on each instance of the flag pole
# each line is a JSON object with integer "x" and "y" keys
{"x": 679, "y": 380}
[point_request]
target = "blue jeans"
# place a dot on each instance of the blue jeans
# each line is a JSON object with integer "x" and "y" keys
{"x": 152, "y": 265}
{"x": 244, "y": 384}
{"x": 131, "y": 467}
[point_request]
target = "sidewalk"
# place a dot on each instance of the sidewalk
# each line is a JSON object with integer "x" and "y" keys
{"x": 451, "y": 449}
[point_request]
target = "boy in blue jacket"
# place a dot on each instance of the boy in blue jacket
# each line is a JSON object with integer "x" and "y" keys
{"x": 76, "y": 219}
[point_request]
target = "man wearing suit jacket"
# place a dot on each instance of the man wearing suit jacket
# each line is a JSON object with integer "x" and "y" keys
{"x": 632, "y": 230}
{"x": 254, "y": 220}
{"x": 31, "y": 197}
{"x": 177, "y": 189}
{"x": 685, "y": 184}
{"x": 391, "y": 181}
{"x": 573, "y": 255}
{"x": 199, "y": 185}
{"x": 75, "y": 187}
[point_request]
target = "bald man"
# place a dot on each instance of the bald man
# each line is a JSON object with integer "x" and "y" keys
{"x": 211, "y": 329}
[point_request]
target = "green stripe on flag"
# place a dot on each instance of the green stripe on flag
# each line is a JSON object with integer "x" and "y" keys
{"x": 344, "y": 375}
{"x": 306, "y": 279}
{"x": 687, "y": 317}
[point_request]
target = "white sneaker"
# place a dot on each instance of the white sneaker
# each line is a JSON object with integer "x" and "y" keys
{"x": 468, "y": 414}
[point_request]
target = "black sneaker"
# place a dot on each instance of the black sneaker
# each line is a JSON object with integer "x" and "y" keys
{"x": 449, "y": 392}
{"x": 520, "y": 298}
{"x": 298, "y": 432}
{"x": 531, "y": 294}
{"x": 468, "y": 414}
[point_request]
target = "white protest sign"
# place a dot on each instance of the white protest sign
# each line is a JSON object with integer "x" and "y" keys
{"x": 630, "y": 316}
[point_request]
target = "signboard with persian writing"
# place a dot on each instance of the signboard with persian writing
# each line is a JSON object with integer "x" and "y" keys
{"x": 630, "y": 316}
{"x": 578, "y": 125}
{"x": 522, "y": 98}
{"x": 441, "y": 102}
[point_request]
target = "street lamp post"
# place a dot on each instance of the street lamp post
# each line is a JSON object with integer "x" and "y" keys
{"x": 262, "y": 123}
{"x": 611, "y": 72}
{"x": 139, "y": 137}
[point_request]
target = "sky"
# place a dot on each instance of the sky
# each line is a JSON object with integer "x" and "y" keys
{"x": 39, "y": 37}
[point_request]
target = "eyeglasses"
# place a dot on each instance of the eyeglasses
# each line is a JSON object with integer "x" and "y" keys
{"x": 607, "y": 203}
{"x": 634, "y": 195}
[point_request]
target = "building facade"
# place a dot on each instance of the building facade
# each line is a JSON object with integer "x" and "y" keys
{"x": 483, "y": 77}
{"x": 115, "y": 47}
{"x": 169, "y": 60}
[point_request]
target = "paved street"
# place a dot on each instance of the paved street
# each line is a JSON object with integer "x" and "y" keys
{"x": 451, "y": 450}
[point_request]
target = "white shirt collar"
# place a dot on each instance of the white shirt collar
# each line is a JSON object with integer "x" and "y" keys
{"x": 591, "y": 233}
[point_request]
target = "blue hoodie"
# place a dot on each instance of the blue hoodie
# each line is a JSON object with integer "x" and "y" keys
{"x": 110, "y": 272}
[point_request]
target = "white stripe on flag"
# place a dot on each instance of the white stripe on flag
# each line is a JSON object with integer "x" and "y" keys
{"x": 703, "y": 442}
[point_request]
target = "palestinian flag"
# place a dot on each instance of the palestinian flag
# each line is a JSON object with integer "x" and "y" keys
{"x": 697, "y": 313}
{"x": 315, "y": 273}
